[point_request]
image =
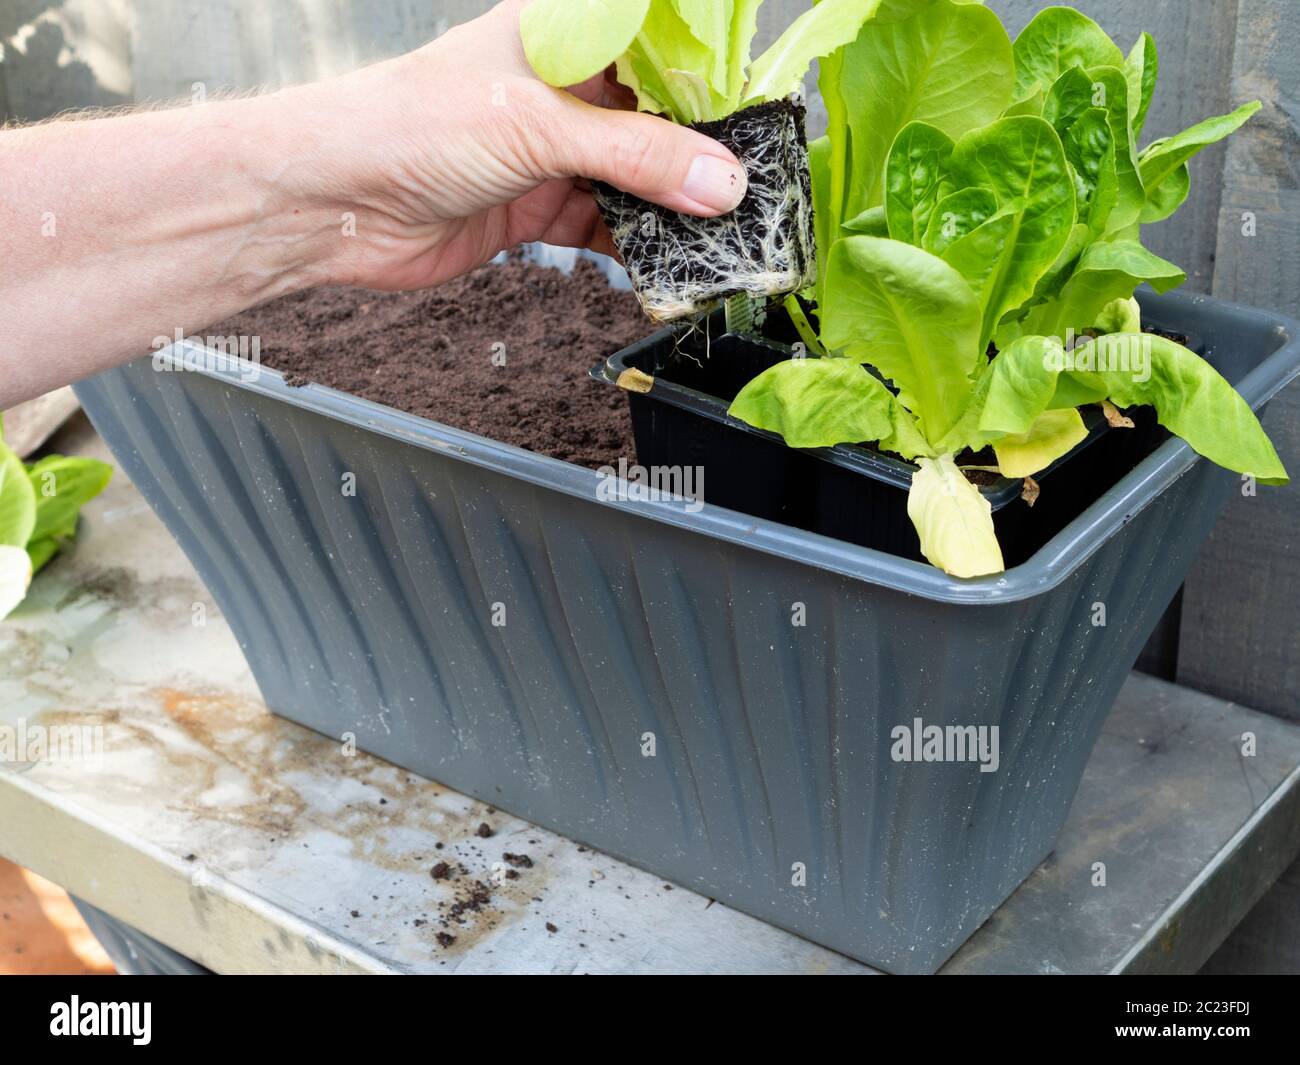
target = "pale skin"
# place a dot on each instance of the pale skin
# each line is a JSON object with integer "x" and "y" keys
{"x": 402, "y": 175}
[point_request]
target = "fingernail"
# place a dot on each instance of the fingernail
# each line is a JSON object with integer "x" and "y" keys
{"x": 716, "y": 183}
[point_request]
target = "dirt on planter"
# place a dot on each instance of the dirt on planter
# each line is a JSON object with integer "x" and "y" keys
{"x": 438, "y": 353}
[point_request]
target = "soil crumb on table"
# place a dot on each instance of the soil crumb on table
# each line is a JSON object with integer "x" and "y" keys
{"x": 431, "y": 353}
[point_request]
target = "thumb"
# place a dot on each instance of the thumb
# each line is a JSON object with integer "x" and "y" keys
{"x": 649, "y": 157}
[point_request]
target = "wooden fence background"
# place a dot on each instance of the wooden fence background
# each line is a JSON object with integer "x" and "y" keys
{"x": 1237, "y": 632}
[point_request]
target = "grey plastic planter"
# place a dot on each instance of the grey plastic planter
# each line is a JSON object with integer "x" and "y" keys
{"x": 374, "y": 615}
{"x": 131, "y": 951}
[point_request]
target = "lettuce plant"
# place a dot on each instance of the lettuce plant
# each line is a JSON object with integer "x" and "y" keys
{"x": 920, "y": 321}
{"x": 952, "y": 66}
{"x": 1069, "y": 72}
{"x": 968, "y": 192}
{"x": 686, "y": 59}
{"x": 39, "y": 505}
{"x": 689, "y": 60}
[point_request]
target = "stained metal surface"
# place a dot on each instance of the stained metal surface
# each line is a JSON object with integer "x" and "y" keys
{"x": 378, "y": 615}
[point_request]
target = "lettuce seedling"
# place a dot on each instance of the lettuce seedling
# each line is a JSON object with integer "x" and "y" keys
{"x": 686, "y": 59}
{"x": 953, "y": 67}
{"x": 689, "y": 61}
{"x": 1069, "y": 72}
{"x": 972, "y": 190}
{"x": 39, "y": 505}
{"x": 973, "y": 225}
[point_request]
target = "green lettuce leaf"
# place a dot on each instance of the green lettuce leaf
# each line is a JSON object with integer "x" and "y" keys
{"x": 666, "y": 44}
{"x": 1131, "y": 194}
{"x": 1164, "y": 199}
{"x": 568, "y": 42}
{"x": 1090, "y": 150}
{"x": 744, "y": 25}
{"x": 830, "y": 25}
{"x": 1073, "y": 93}
{"x": 871, "y": 223}
{"x": 17, "y": 500}
{"x": 1163, "y": 157}
{"x": 1056, "y": 39}
{"x": 956, "y": 215}
{"x": 636, "y": 73}
{"x": 41, "y": 551}
{"x": 693, "y": 100}
{"x": 1120, "y": 316}
{"x": 898, "y": 10}
{"x": 910, "y": 315}
{"x": 1142, "y": 68}
{"x": 824, "y": 402}
{"x": 914, "y": 172}
{"x": 1191, "y": 399}
{"x": 948, "y": 65}
{"x": 827, "y": 219}
{"x": 1105, "y": 272}
{"x": 1164, "y": 163}
{"x": 710, "y": 23}
{"x": 63, "y": 485}
{"x": 980, "y": 256}
{"x": 1022, "y": 161}
{"x": 1009, "y": 395}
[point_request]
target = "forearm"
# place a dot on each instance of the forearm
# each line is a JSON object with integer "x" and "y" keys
{"x": 116, "y": 231}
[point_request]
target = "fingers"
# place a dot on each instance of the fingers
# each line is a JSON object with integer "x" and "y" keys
{"x": 602, "y": 242}
{"x": 647, "y": 156}
{"x": 577, "y": 224}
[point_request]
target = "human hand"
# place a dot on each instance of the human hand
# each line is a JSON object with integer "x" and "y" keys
{"x": 451, "y": 153}
{"x": 397, "y": 176}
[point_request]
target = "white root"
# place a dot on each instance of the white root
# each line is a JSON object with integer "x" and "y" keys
{"x": 681, "y": 266}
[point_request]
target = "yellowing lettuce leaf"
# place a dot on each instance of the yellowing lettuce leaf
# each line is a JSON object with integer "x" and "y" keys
{"x": 1053, "y": 434}
{"x": 953, "y": 520}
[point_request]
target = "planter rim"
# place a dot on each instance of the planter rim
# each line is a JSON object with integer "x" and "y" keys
{"x": 1049, "y": 567}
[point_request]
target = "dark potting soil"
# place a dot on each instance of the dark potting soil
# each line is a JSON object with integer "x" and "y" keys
{"x": 432, "y": 353}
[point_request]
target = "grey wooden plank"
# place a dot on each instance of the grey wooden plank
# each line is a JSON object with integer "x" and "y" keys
{"x": 5, "y": 114}
{"x": 1241, "y": 635}
{"x": 180, "y": 43}
{"x": 59, "y": 57}
{"x": 1241, "y": 622}
{"x": 246, "y": 44}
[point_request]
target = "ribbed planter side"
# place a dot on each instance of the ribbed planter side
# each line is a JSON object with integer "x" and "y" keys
{"x": 374, "y": 615}
{"x": 132, "y": 952}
